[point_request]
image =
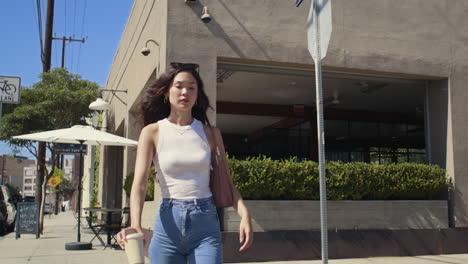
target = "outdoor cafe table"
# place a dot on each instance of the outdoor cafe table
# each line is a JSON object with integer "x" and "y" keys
{"x": 108, "y": 212}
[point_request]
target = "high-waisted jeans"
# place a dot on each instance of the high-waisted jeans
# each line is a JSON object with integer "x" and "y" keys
{"x": 186, "y": 231}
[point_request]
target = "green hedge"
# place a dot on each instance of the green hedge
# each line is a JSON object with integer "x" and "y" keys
{"x": 261, "y": 178}
{"x": 149, "y": 188}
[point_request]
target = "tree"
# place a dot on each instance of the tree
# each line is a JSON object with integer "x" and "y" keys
{"x": 14, "y": 192}
{"x": 59, "y": 100}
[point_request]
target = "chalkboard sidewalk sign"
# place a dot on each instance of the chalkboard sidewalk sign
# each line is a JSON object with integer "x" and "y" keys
{"x": 27, "y": 219}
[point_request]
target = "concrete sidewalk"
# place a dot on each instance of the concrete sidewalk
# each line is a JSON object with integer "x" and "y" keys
{"x": 50, "y": 247}
{"x": 60, "y": 229}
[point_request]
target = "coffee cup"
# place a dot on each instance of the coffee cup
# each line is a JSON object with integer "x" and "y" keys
{"x": 134, "y": 249}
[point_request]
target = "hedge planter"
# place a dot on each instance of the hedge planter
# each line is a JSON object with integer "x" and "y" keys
{"x": 305, "y": 215}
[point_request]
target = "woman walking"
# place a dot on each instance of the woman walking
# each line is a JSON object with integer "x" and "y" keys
{"x": 176, "y": 139}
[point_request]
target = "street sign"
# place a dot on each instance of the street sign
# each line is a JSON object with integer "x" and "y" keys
{"x": 325, "y": 27}
{"x": 64, "y": 148}
{"x": 54, "y": 181}
{"x": 10, "y": 90}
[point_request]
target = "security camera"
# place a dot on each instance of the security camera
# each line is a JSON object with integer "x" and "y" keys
{"x": 145, "y": 51}
{"x": 205, "y": 16}
{"x": 190, "y": 1}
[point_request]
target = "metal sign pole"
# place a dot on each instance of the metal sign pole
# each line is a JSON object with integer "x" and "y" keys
{"x": 1, "y": 112}
{"x": 321, "y": 136}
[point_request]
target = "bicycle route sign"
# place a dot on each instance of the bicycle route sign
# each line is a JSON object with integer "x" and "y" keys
{"x": 10, "y": 90}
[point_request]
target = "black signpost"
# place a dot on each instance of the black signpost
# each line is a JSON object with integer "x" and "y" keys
{"x": 27, "y": 219}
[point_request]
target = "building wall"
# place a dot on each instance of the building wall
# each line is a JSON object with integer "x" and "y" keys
{"x": 414, "y": 39}
{"x": 130, "y": 69}
{"x": 29, "y": 181}
{"x": 11, "y": 170}
{"x": 68, "y": 168}
{"x": 417, "y": 38}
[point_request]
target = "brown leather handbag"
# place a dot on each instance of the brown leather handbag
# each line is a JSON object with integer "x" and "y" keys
{"x": 220, "y": 181}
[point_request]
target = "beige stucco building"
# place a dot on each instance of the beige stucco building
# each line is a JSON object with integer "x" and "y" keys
{"x": 395, "y": 81}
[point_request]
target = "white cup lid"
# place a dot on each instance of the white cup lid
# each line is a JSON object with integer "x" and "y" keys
{"x": 135, "y": 235}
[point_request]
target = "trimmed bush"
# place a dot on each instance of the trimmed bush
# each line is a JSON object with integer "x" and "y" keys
{"x": 149, "y": 188}
{"x": 261, "y": 178}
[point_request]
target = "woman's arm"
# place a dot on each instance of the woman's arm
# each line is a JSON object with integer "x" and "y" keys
{"x": 145, "y": 152}
{"x": 245, "y": 228}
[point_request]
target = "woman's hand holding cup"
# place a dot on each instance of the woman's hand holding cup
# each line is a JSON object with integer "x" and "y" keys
{"x": 122, "y": 235}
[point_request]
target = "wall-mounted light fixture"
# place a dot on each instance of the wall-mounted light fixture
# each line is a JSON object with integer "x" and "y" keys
{"x": 101, "y": 105}
{"x": 146, "y": 50}
{"x": 206, "y": 17}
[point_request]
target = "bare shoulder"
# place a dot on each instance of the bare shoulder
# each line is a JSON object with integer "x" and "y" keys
{"x": 150, "y": 132}
{"x": 151, "y": 128}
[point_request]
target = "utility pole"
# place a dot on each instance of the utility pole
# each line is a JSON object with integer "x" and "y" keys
{"x": 47, "y": 53}
{"x": 61, "y": 156}
{"x": 46, "y": 59}
{"x": 70, "y": 39}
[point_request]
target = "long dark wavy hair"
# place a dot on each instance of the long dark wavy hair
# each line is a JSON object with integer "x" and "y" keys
{"x": 155, "y": 108}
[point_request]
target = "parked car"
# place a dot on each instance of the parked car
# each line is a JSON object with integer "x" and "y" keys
{"x": 29, "y": 199}
{"x": 47, "y": 209}
{"x": 7, "y": 211}
{"x": 3, "y": 216}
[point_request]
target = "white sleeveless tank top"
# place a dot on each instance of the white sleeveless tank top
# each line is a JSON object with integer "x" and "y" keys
{"x": 183, "y": 160}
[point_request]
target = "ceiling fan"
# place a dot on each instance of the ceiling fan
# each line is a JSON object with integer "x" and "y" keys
{"x": 367, "y": 88}
{"x": 332, "y": 100}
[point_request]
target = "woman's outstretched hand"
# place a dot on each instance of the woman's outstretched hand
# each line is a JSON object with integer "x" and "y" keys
{"x": 245, "y": 233}
{"x": 122, "y": 235}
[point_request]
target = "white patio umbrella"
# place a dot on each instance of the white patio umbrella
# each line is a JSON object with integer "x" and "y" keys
{"x": 83, "y": 135}
{"x": 79, "y": 135}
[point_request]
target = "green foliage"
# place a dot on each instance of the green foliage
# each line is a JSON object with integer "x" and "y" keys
{"x": 58, "y": 172}
{"x": 14, "y": 192}
{"x": 59, "y": 100}
{"x": 261, "y": 178}
{"x": 66, "y": 188}
{"x": 149, "y": 188}
{"x": 97, "y": 157}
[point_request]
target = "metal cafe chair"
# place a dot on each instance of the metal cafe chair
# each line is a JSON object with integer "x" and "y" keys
{"x": 112, "y": 228}
{"x": 126, "y": 217}
{"x": 96, "y": 229}
{"x": 82, "y": 223}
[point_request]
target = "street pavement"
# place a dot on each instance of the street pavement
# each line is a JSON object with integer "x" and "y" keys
{"x": 60, "y": 229}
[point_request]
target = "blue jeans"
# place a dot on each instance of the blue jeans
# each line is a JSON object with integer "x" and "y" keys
{"x": 186, "y": 231}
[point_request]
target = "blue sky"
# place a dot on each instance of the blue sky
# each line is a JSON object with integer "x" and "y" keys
{"x": 100, "y": 22}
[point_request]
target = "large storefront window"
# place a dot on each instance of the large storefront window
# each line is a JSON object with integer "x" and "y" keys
{"x": 347, "y": 141}
{"x": 374, "y": 142}
{"x": 279, "y": 143}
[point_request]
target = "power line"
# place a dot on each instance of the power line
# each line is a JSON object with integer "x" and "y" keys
{"x": 65, "y": 17}
{"x": 74, "y": 18}
{"x": 43, "y": 8}
{"x": 78, "y": 60}
{"x": 83, "y": 18}
{"x": 56, "y": 53}
{"x": 72, "y": 56}
{"x": 72, "y": 50}
{"x": 39, "y": 23}
{"x": 81, "y": 35}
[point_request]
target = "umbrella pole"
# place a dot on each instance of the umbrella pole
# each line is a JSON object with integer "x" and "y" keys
{"x": 79, "y": 245}
{"x": 80, "y": 177}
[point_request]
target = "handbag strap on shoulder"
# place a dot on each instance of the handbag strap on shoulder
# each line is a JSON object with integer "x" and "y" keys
{"x": 209, "y": 131}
